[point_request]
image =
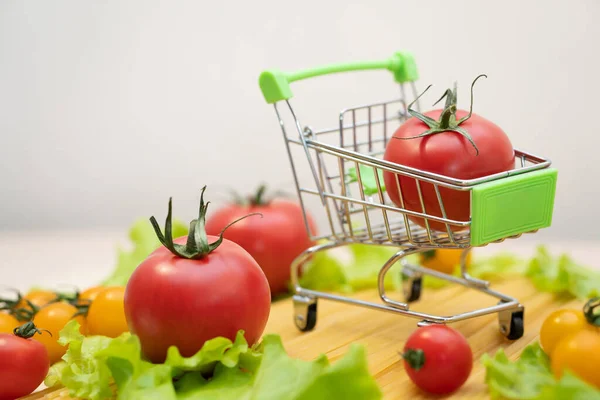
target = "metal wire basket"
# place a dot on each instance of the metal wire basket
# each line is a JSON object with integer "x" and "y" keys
{"x": 346, "y": 175}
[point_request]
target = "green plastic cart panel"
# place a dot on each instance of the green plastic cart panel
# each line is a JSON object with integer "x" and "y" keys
{"x": 512, "y": 206}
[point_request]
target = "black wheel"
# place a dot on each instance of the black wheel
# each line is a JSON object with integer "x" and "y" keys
{"x": 305, "y": 313}
{"x": 412, "y": 289}
{"x": 517, "y": 326}
{"x": 512, "y": 324}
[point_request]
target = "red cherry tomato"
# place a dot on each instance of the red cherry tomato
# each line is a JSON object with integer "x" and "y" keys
{"x": 274, "y": 240}
{"x": 448, "y": 153}
{"x": 24, "y": 362}
{"x": 174, "y": 300}
{"x": 438, "y": 359}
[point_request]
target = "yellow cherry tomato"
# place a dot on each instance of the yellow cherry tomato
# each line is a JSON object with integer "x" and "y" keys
{"x": 443, "y": 260}
{"x": 87, "y": 296}
{"x": 53, "y": 318}
{"x": 7, "y": 322}
{"x": 38, "y": 297}
{"x": 580, "y": 354}
{"x": 91, "y": 293}
{"x": 106, "y": 314}
{"x": 558, "y": 325}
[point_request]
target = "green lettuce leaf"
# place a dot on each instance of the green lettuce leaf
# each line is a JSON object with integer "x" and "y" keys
{"x": 357, "y": 269}
{"x": 217, "y": 350}
{"x": 360, "y": 268}
{"x": 367, "y": 177}
{"x": 499, "y": 266}
{"x": 144, "y": 241}
{"x": 530, "y": 378}
{"x": 562, "y": 275}
{"x": 134, "y": 377}
{"x": 324, "y": 272}
{"x": 79, "y": 370}
{"x": 279, "y": 377}
{"x": 221, "y": 370}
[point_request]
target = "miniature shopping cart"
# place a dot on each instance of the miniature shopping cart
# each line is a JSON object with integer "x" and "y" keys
{"x": 344, "y": 167}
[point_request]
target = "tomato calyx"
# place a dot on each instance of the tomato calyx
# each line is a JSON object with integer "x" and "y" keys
{"x": 259, "y": 198}
{"x": 447, "y": 120}
{"x": 197, "y": 245}
{"x": 591, "y": 310}
{"x": 414, "y": 357}
{"x": 428, "y": 255}
{"x": 28, "y": 330}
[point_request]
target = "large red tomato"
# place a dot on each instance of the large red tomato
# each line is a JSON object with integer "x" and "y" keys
{"x": 24, "y": 362}
{"x": 273, "y": 240}
{"x": 446, "y": 150}
{"x": 190, "y": 291}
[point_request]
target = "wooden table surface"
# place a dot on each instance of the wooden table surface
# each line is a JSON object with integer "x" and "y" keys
{"x": 383, "y": 334}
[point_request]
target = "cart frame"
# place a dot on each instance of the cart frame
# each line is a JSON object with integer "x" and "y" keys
{"x": 346, "y": 176}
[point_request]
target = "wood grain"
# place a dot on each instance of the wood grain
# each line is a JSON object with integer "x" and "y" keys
{"x": 383, "y": 334}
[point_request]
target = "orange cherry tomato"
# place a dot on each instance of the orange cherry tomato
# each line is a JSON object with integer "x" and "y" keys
{"x": 7, "y": 322}
{"x": 443, "y": 260}
{"x": 580, "y": 354}
{"x": 106, "y": 314}
{"x": 558, "y": 325}
{"x": 91, "y": 293}
{"x": 38, "y": 297}
{"x": 53, "y": 318}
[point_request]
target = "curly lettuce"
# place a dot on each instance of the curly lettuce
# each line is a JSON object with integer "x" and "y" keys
{"x": 220, "y": 370}
{"x": 530, "y": 378}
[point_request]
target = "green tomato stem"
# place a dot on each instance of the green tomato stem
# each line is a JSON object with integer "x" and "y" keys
{"x": 197, "y": 245}
{"x": 28, "y": 330}
{"x": 591, "y": 310}
{"x": 447, "y": 120}
{"x": 258, "y": 198}
{"x": 414, "y": 357}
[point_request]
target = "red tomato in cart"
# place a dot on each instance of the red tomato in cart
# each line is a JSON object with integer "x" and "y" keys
{"x": 24, "y": 362}
{"x": 192, "y": 290}
{"x": 448, "y": 142}
{"x": 438, "y": 359}
{"x": 274, "y": 240}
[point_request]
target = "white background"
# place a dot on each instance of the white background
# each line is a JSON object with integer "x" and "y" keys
{"x": 107, "y": 108}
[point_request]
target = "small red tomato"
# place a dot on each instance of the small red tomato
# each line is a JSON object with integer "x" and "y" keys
{"x": 274, "y": 240}
{"x": 193, "y": 289}
{"x": 24, "y": 362}
{"x": 438, "y": 359}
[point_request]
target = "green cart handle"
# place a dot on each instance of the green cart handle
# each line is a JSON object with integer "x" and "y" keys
{"x": 275, "y": 84}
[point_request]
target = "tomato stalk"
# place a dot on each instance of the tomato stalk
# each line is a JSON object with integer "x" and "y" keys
{"x": 22, "y": 314}
{"x": 591, "y": 310}
{"x": 414, "y": 357}
{"x": 7, "y": 304}
{"x": 197, "y": 245}
{"x": 259, "y": 198}
{"x": 28, "y": 330}
{"x": 447, "y": 120}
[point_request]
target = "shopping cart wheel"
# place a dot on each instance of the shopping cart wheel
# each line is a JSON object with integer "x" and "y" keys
{"x": 412, "y": 283}
{"x": 511, "y": 323}
{"x": 305, "y": 312}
